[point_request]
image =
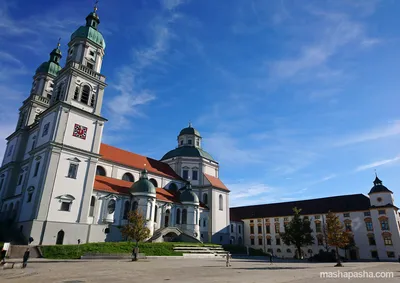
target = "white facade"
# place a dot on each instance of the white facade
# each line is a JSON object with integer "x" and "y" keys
{"x": 375, "y": 228}
{"x": 60, "y": 184}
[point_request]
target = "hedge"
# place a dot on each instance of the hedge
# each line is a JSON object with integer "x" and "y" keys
{"x": 149, "y": 249}
{"x": 236, "y": 249}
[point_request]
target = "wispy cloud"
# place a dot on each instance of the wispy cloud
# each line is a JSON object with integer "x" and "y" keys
{"x": 377, "y": 164}
{"x": 393, "y": 129}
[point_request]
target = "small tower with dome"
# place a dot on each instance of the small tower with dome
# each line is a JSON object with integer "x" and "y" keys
{"x": 190, "y": 212}
{"x": 143, "y": 199}
{"x": 380, "y": 195}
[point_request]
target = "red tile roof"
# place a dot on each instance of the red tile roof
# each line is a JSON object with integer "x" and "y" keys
{"x": 116, "y": 186}
{"x": 131, "y": 159}
{"x": 215, "y": 182}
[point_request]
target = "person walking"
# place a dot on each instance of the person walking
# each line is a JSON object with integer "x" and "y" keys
{"x": 399, "y": 258}
{"x": 228, "y": 259}
{"x": 270, "y": 258}
{"x": 25, "y": 258}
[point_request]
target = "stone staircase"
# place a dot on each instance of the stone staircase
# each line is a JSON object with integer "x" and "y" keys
{"x": 206, "y": 251}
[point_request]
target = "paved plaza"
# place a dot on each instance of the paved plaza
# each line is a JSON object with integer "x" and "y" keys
{"x": 190, "y": 270}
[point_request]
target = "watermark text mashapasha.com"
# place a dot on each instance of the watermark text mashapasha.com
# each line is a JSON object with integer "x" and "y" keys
{"x": 356, "y": 274}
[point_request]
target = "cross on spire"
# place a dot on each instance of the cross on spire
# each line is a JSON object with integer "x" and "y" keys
{"x": 96, "y": 6}
{"x": 58, "y": 43}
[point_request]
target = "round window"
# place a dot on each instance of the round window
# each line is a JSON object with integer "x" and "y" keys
{"x": 379, "y": 199}
{"x": 111, "y": 206}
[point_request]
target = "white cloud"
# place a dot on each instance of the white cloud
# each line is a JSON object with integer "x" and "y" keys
{"x": 393, "y": 129}
{"x": 171, "y": 4}
{"x": 377, "y": 164}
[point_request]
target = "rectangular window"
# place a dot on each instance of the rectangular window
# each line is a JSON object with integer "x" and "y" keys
{"x": 374, "y": 254}
{"x": 1, "y": 183}
{"x": 33, "y": 144}
{"x": 20, "y": 179}
{"x": 252, "y": 242}
{"x": 267, "y": 229}
{"x": 194, "y": 175}
{"x": 185, "y": 174}
{"x": 190, "y": 142}
{"x": 277, "y": 228}
{"x": 390, "y": 254}
{"x": 197, "y": 143}
{"x": 387, "y": 241}
{"x": 30, "y": 194}
{"x": 89, "y": 65}
{"x": 46, "y": 129}
{"x": 276, "y": 219}
{"x": 91, "y": 53}
{"x": 65, "y": 206}
{"x": 73, "y": 170}
{"x": 346, "y": 214}
{"x": 371, "y": 241}
{"x": 259, "y": 229}
{"x": 260, "y": 241}
{"x": 369, "y": 226}
{"x": 251, "y": 229}
{"x": 51, "y": 85}
{"x": 36, "y": 169}
{"x": 286, "y": 219}
{"x": 317, "y": 216}
{"x": 384, "y": 225}
{"x": 381, "y": 212}
{"x": 367, "y": 213}
{"x": 269, "y": 242}
{"x": 305, "y": 217}
{"x": 239, "y": 229}
{"x": 251, "y": 221}
{"x": 318, "y": 228}
{"x": 278, "y": 241}
{"x": 10, "y": 150}
{"x": 231, "y": 228}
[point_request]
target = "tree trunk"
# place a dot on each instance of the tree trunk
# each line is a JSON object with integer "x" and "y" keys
{"x": 299, "y": 252}
{"x": 338, "y": 258}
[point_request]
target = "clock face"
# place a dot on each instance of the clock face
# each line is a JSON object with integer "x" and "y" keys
{"x": 80, "y": 131}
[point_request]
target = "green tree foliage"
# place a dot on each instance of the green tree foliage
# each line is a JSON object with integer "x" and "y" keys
{"x": 337, "y": 237}
{"x": 298, "y": 232}
{"x": 136, "y": 228}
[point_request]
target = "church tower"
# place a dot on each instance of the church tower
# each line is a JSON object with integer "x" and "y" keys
{"x": 61, "y": 126}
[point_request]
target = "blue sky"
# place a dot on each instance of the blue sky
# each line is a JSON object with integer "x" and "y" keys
{"x": 295, "y": 99}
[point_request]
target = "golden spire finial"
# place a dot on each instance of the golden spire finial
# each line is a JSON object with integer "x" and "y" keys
{"x": 95, "y": 5}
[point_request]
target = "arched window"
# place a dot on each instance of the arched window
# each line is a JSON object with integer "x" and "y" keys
{"x": 100, "y": 171}
{"x": 60, "y": 237}
{"x": 111, "y": 206}
{"x": 178, "y": 216}
{"x": 92, "y": 204}
{"x": 184, "y": 216}
{"x": 173, "y": 187}
{"x": 126, "y": 210}
{"x": 85, "y": 94}
{"x": 205, "y": 198}
{"x": 128, "y": 177}
{"x": 155, "y": 213}
{"x": 76, "y": 94}
{"x": 288, "y": 250}
{"x": 154, "y": 182}
{"x": 135, "y": 206}
{"x": 221, "y": 203}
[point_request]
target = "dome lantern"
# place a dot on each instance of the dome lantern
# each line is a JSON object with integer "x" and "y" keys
{"x": 143, "y": 185}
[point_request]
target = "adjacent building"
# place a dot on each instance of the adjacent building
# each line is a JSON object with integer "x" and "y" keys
{"x": 373, "y": 221}
{"x": 59, "y": 184}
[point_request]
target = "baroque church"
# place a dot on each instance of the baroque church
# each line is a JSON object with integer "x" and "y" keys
{"x": 59, "y": 184}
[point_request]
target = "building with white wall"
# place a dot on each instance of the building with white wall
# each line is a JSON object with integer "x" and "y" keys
{"x": 59, "y": 183}
{"x": 373, "y": 222}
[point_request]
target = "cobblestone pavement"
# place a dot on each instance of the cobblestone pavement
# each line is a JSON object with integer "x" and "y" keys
{"x": 192, "y": 270}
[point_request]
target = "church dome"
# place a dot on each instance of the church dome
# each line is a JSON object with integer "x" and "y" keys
{"x": 143, "y": 185}
{"x": 89, "y": 33}
{"x": 187, "y": 195}
{"x": 379, "y": 187}
{"x": 189, "y": 131}
{"x": 49, "y": 68}
{"x": 187, "y": 151}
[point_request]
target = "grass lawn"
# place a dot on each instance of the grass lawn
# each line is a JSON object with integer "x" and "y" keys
{"x": 76, "y": 251}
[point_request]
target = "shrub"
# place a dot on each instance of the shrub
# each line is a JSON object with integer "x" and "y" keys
{"x": 76, "y": 251}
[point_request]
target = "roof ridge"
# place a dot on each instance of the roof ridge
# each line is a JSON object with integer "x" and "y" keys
{"x": 300, "y": 200}
{"x": 131, "y": 152}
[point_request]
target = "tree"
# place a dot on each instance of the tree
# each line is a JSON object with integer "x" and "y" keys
{"x": 298, "y": 232}
{"x": 136, "y": 228}
{"x": 337, "y": 237}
